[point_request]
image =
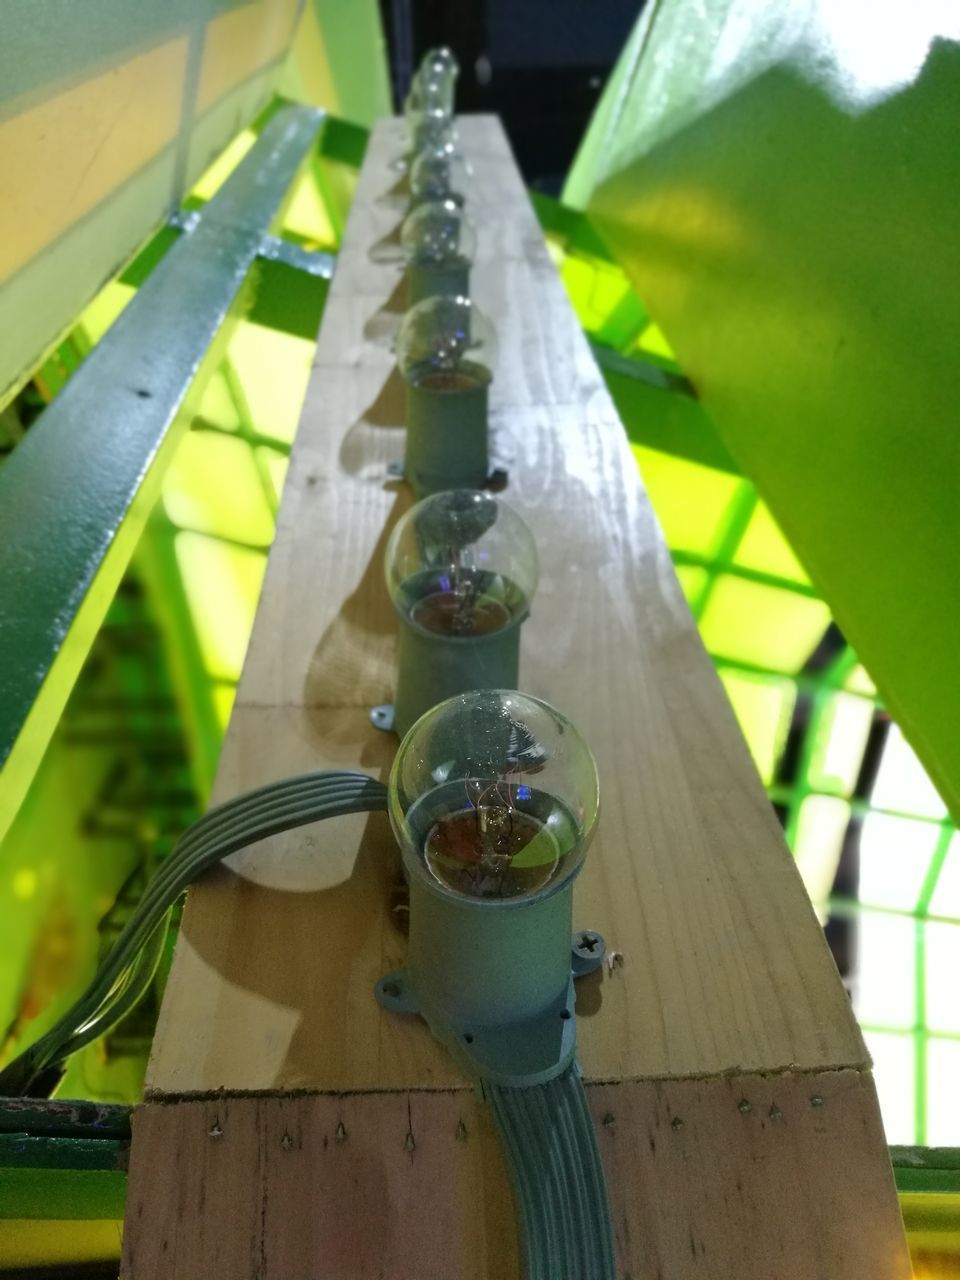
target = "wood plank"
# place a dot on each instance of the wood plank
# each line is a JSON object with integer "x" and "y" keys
{"x": 689, "y": 879}
{"x": 724, "y": 968}
{"x": 752, "y": 1177}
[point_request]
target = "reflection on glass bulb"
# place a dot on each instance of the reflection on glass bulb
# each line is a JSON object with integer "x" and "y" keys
{"x": 461, "y": 563}
{"x": 494, "y": 795}
{"x": 442, "y": 59}
{"x": 438, "y": 234}
{"x": 433, "y": 85}
{"x": 439, "y": 173}
{"x": 430, "y": 123}
{"x": 446, "y": 344}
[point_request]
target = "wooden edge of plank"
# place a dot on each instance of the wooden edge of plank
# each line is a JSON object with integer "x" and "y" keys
{"x": 747, "y": 1175}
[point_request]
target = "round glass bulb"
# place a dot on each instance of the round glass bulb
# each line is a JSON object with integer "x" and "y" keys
{"x": 429, "y": 121}
{"x": 494, "y": 796}
{"x": 439, "y": 173}
{"x": 446, "y": 344}
{"x": 441, "y": 58}
{"x": 434, "y": 82}
{"x": 461, "y": 563}
{"x": 438, "y": 234}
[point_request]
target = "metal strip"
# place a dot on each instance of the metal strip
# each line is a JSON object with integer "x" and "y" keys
{"x": 75, "y": 494}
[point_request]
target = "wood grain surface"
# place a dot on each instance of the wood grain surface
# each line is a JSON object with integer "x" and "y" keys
{"x": 724, "y": 965}
{"x": 734, "y": 1178}
{"x": 722, "y": 972}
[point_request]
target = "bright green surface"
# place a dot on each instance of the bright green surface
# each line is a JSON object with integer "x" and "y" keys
{"x": 880, "y": 862}
{"x": 61, "y": 1193}
{"x": 76, "y": 492}
{"x": 198, "y": 567}
{"x": 780, "y": 182}
{"x": 339, "y": 60}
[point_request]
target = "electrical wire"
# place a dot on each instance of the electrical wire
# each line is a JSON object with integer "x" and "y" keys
{"x": 551, "y": 1148}
{"x": 129, "y": 967}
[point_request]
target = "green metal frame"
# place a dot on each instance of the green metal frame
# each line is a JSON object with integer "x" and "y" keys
{"x": 69, "y": 527}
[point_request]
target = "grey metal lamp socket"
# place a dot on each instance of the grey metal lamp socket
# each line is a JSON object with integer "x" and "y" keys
{"x": 447, "y": 443}
{"x": 432, "y": 667}
{"x": 449, "y": 280}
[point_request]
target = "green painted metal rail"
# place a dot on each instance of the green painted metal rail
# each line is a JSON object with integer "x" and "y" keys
{"x": 76, "y": 492}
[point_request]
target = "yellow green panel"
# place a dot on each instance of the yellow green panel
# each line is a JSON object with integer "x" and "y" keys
{"x": 765, "y": 626}
{"x": 274, "y": 467}
{"x": 653, "y": 341}
{"x": 104, "y": 309}
{"x": 308, "y": 217}
{"x": 272, "y": 371}
{"x": 932, "y": 1220}
{"x": 207, "y": 186}
{"x": 222, "y": 585}
{"x": 858, "y": 681}
{"x": 690, "y": 500}
{"x": 780, "y": 180}
{"x": 46, "y": 1243}
{"x": 602, "y": 297}
{"x": 763, "y": 708}
{"x": 692, "y": 581}
{"x": 338, "y": 60}
{"x": 218, "y": 404}
{"x": 213, "y": 486}
{"x": 764, "y": 547}
{"x": 224, "y": 696}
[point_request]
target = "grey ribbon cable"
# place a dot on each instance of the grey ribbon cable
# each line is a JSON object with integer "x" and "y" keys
{"x": 551, "y": 1148}
{"x": 127, "y": 970}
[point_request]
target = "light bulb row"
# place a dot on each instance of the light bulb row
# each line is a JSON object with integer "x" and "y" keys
{"x": 494, "y": 792}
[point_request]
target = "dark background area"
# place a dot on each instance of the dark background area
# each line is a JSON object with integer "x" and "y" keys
{"x": 540, "y": 65}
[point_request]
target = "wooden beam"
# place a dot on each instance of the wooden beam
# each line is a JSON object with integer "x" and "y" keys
{"x": 725, "y": 992}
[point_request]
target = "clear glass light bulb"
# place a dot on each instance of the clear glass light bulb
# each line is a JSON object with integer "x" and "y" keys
{"x": 441, "y": 58}
{"x": 434, "y": 82}
{"x": 438, "y": 234}
{"x": 494, "y": 795}
{"x": 439, "y": 173}
{"x": 429, "y": 121}
{"x": 461, "y": 563}
{"x": 446, "y": 344}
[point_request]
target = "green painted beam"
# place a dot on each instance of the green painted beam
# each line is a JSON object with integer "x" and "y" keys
{"x": 76, "y": 492}
{"x": 62, "y": 1160}
{"x": 62, "y": 1194}
{"x": 928, "y": 1169}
